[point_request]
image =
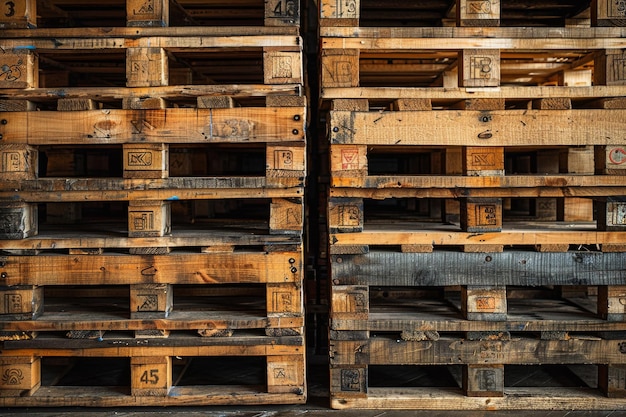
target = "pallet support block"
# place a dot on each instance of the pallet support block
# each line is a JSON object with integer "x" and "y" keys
{"x": 349, "y": 302}
{"x": 484, "y": 303}
{"x": 340, "y": 12}
{"x": 481, "y": 215}
{"x": 610, "y": 160}
{"x": 21, "y": 302}
{"x": 478, "y": 12}
{"x": 146, "y": 160}
{"x": 18, "y": 220}
{"x": 612, "y": 380}
{"x": 19, "y": 376}
{"x": 282, "y": 13}
{"x": 612, "y": 302}
{"x": 348, "y": 381}
{"x": 285, "y": 374}
{"x": 483, "y": 380}
{"x": 610, "y": 67}
{"x": 146, "y": 13}
{"x": 146, "y": 67}
{"x": 483, "y": 161}
{"x": 611, "y": 214}
{"x": 480, "y": 68}
{"x": 286, "y": 216}
{"x": 282, "y": 67}
{"x": 349, "y": 162}
{"x": 20, "y": 69}
{"x": 151, "y": 301}
{"x": 284, "y": 161}
{"x": 18, "y": 162}
{"x": 345, "y": 215}
{"x": 19, "y": 14}
{"x": 608, "y": 13}
{"x": 340, "y": 68}
{"x": 149, "y": 218}
{"x": 151, "y": 376}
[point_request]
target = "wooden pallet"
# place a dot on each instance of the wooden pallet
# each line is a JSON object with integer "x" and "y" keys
{"x": 162, "y": 59}
{"x": 141, "y": 13}
{"x": 438, "y": 387}
{"x": 471, "y": 58}
{"x": 174, "y": 371}
{"x": 151, "y": 310}
{"x": 483, "y": 13}
{"x": 495, "y": 311}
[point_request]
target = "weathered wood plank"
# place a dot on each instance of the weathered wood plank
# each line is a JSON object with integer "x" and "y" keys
{"x": 208, "y": 268}
{"x": 419, "y": 235}
{"x": 453, "y": 268}
{"x": 474, "y": 128}
{"x": 515, "y": 400}
{"x": 386, "y": 351}
{"x": 242, "y": 125}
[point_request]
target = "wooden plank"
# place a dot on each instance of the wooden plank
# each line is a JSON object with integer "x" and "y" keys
{"x": 418, "y": 234}
{"x": 514, "y": 400}
{"x": 455, "y": 268}
{"x": 456, "y": 93}
{"x": 371, "y": 41}
{"x": 390, "y": 351}
{"x": 472, "y": 128}
{"x": 380, "y": 186}
{"x": 207, "y": 268}
{"x": 155, "y": 126}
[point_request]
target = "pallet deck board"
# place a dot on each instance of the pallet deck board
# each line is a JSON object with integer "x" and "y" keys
{"x": 457, "y": 268}
{"x": 186, "y": 268}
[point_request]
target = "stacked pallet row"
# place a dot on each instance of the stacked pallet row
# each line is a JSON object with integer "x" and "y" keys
{"x": 476, "y": 204}
{"x": 151, "y": 203}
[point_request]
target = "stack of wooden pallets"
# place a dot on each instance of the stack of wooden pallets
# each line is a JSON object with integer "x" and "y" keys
{"x": 151, "y": 202}
{"x": 476, "y": 210}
